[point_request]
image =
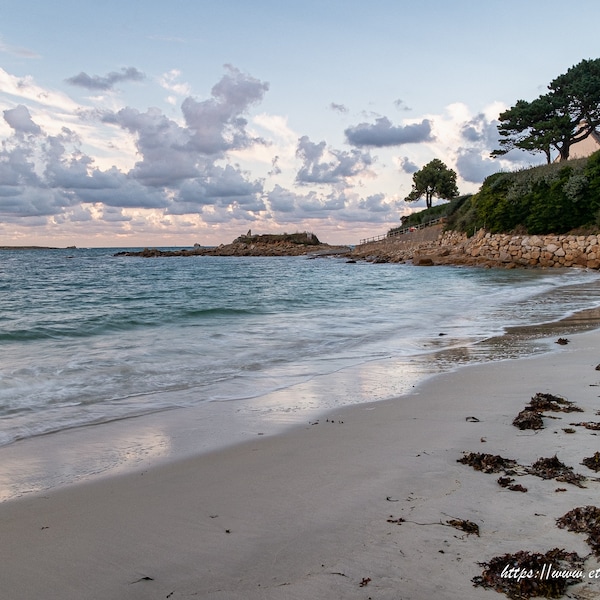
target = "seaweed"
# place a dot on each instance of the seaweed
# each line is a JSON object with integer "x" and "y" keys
{"x": 584, "y": 519}
{"x": 546, "y": 468}
{"x": 517, "y": 487}
{"x": 531, "y": 574}
{"x": 509, "y": 482}
{"x": 594, "y": 426}
{"x": 592, "y": 462}
{"x": 528, "y": 419}
{"x": 464, "y": 525}
{"x": 531, "y": 416}
{"x": 553, "y": 403}
{"x": 552, "y": 468}
{"x": 489, "y": 463}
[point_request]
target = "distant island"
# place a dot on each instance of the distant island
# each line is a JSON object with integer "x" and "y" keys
{"x": 30, "y": 248}
{"x": 285, "y": 244}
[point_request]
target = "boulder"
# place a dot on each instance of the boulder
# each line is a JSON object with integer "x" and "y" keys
{"x": 423, "y": 261}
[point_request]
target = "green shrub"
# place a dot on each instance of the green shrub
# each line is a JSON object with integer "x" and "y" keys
{"x": 554, "y": 198}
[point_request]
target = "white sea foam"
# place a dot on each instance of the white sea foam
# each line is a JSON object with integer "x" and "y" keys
{"x": 97, "y": 338}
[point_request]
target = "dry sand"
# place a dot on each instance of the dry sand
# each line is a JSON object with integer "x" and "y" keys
{"x": 306, "y": 515}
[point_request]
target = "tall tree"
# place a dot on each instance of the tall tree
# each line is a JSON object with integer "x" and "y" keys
{"x": 567, "y": 114}
{"x": 434, "y": 179}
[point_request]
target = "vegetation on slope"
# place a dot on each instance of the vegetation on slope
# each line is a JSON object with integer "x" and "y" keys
{"x": 555, "y": 198}
{"x": 423, "y": 217}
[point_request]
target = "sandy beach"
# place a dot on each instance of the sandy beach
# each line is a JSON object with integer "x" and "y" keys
{"x": 355, "y": 505}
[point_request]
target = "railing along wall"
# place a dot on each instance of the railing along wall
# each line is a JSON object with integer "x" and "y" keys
{"x": 404, "y": 231}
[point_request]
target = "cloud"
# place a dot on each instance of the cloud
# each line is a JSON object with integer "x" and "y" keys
{"x": 164, "y": 146}
{"x": 36, "y": 202}
{"x": 114, "y": 215}
{"x": 177, "y": 170}
{"x": 340, "y": 108}
{"x": 20, "y": 120}
{"x": 77, "y": 214}
{"x": 344, "y": 207}
{"x": 401, "y": 105}
{"x": 481, "y": 130}
{"x": 17, "y": 167}
{"x": 301, "y": 206}
{"x": 217, "y": 124}
{"x": 173, "y": 154}
{"x": 169, "y": 81}
{"x": 26, "y": 89}
{"x": 474, "y": 167}
{"x": 478, "y": 137}
{"x": 106, "y": 82}
{"x": 219, "y": 186}
{"x": 276, "y": 170}
{"x": 383, "y": 134}
{"x": 17, "y": 51}
{"x": 282, "y": 200}
{"x": 407, "y": 166}
{"x": 57, "y": 165}
{"x": 324, "y": 165}
{"x": 46, "y": 175}
{"x": 375, "y": 203}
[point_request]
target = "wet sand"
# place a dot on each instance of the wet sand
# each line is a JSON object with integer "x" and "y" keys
{"x": 354, "y": 505}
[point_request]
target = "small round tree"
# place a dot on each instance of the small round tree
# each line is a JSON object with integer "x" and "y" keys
{"x": 434, "y": 179}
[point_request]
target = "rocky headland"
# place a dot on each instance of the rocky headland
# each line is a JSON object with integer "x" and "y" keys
{"x": 286, "y": 244}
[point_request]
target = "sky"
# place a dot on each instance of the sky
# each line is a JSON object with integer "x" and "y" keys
{"x": 153, "y": 123}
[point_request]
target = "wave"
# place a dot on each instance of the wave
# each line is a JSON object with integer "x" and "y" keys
{"x": 103, "y": 325}
{"x": 201, "y": 313}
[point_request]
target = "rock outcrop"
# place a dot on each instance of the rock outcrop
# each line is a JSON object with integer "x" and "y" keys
{"x": 293, "y": 244}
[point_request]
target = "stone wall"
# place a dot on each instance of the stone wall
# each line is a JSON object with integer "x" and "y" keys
{"x": 536, "y": 251}
{"x": 451, "y": 247}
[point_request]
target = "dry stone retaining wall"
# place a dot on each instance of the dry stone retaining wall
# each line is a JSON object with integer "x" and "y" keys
{"x": 451, "y": 247}
{"x": 537, "y": 251}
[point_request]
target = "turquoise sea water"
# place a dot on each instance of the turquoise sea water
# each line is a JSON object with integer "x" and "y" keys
{"x": 87, "y": 337}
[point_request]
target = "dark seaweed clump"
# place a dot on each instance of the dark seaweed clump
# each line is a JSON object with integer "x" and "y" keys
{"x": 552, "y": 468}
{"x": 546, "y": 468}
{"x": 529, "y": 419}
{"x": 592, "y": 462}
{"x": 531, "y": 416}
{"x": 509, "y": 483}
{"x": 495, "y": 575}
{"x": 584, "y": 519}
{"x": 489, "y": 463}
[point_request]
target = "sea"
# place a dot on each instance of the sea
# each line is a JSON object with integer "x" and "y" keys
{"x": 88, "y": 338}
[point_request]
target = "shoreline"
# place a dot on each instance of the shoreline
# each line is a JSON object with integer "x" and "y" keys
{"x": 82, "y": 453}
{"x": 317, "y": 511}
